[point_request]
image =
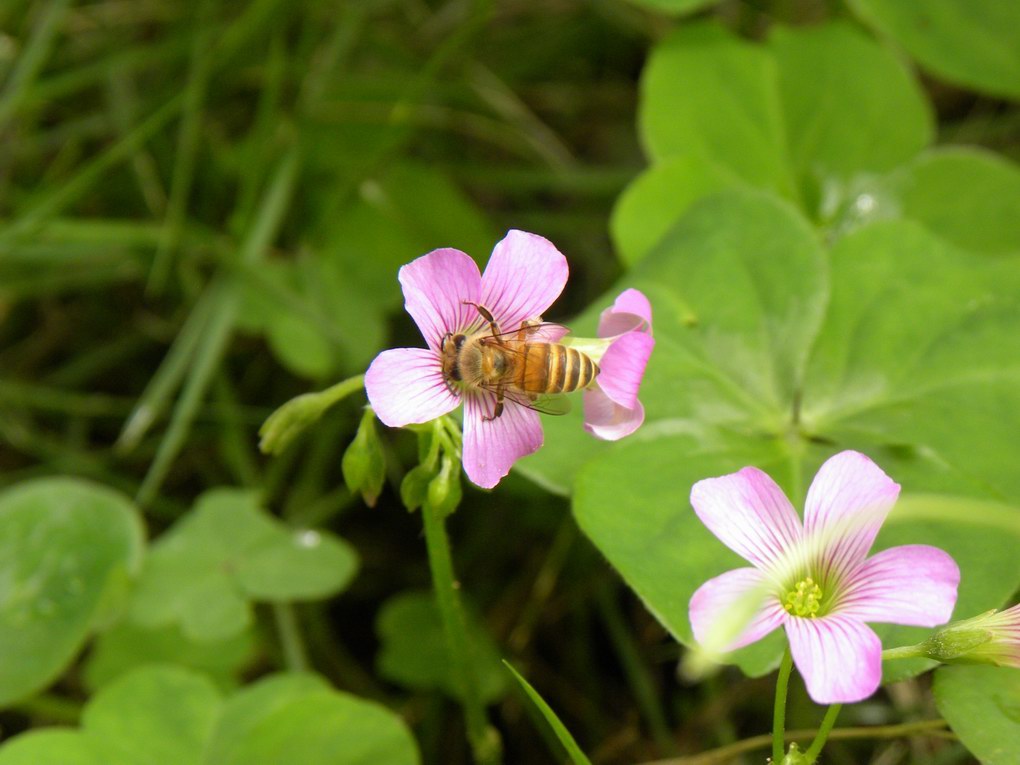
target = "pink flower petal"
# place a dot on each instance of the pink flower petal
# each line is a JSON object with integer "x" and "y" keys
{"x": 750, "y": 515}
{"x": 623, "y": 366}
{"x": 491, "y": 447}
{"x": 846, "y": 505}
{"x": 839, "y": 657}
{"x": 548, "y": 333}
{"x": 913, "y": 584}
{"x": 631, "y": 311}
{"x": 435, "y": 288}
{"x": 606, "y": 419}
{"x": 525, "y": 274}
{"x": 720, "y": 596}
{"x": 405, "y": 386}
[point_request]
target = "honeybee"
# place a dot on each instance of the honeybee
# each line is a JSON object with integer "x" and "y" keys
{"x": 516, "y": 365}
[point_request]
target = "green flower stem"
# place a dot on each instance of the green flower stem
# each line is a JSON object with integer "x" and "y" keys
{"x": 779, "y": 714}
{"x": 294, "y": 656}
{"x": 637, "y": 674}
{"x": 484, "y": 741}
{"x": 342, "y": 390}
{"x": 905, "y": 652}
{"x": 823, "y": 732}
{"x": 291, "y": 419}
{"x": 729, "y": 752}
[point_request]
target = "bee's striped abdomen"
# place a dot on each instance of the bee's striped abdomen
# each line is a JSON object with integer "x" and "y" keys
{"x": 567, "y": 369}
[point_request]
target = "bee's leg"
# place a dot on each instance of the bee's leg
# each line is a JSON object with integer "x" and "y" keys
{"x": 442, "y": 349}
{"x": 499, "y": 405}
{"x": 522, "y": 333}
{"x": 487, "y": 315}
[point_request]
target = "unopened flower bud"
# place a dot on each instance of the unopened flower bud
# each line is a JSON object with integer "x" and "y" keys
{"x": 414, "y": 488}
{"x": 444, "y": 491}
{"x": 289, "y": 421}
{"x": 364, "y": 465}
{"x": 795, "y": 757}
{"x": 990, "y": 638}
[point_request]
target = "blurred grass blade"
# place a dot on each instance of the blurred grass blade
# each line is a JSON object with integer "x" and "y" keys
{"x": 187, "y": 147}
{"x": 31, "y": 61}
{"x": 123, "y": 97}
{"x": 576, "y": 755}
{"x": 168, "y": 377}
{"x": 209, "y": 352}
{"x": 637, "y": 673}
{"x": 69, "y": 191}
{"x": 223, "y": 296}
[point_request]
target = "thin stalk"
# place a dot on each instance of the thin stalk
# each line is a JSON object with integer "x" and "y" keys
{"x": 32, "y": 58}
{"x": 168, "y": 375}
{"x": 484, "y": 747}
{"x": 66, "y": 193}
{"x": 779, "y": 714}
{"x": 213, "y": 343}
{"x": 295, "y": 658}
{"x": 187, "y": 149}
{"x": 235, "y": 442}
{"x": 122, "y": 106}
{"x": 823, "y": 732}
{"x": 637, "y": 674}
{"x": 343, "y": 389}
{"x": 905, "y": 652}
{"x": 728, "y": 753}
{"x": 205, "y": 362}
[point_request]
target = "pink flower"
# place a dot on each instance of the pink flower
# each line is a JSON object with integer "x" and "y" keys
{"x": 525, "y": 274}
{"x": 611, "y": 406}
{"x": 815, "y": 579}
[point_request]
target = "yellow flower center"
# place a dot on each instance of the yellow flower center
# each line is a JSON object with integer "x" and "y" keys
{"x": 804, "y": 599}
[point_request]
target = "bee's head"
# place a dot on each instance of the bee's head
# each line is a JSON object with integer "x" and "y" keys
{"x": 449, "y": 350}
{"x": 451, "y": 342}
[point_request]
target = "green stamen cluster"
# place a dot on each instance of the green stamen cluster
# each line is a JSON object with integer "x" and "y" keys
{"x": 804, "y": 599}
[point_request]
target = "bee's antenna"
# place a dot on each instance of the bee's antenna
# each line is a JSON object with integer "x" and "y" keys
{"x": 487, "y": 315}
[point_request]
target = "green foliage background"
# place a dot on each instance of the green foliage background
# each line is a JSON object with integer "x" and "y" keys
{"x": 203, "y": 207}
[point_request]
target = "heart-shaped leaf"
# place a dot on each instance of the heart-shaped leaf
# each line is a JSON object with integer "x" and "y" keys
{"x": 802, "y": 115}
{"x": 707, "y": 93}
{"x": 982, "y": 705}
{"x": 227, "y": 552}
{"x": 164, "y": 714}
{"x": 127, "y": 647}
{"x": 286, "y": 719}
{"x": 770, "y": 354}
{"x": 976, "y": 43}
{"x": 414, "y": 650}
{"x": 67, "y": 548}
{"x": 968, "y": 196}
{"x": 153, "y": 715}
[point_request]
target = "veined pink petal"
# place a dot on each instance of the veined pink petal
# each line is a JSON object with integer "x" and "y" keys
{"x": 606, "y": 419}
{"x": 750, "y": 515}
{"x": 435, "y": 288}
{"x": 846, "y": 505}
{"x": 491, "y": 447}
{"x": 525, "y": 274}
{"x": 623, "y": 366}
{"x": 913, "y": 584}
{"x": 548, "y": 333}
{"x": 736, "y": 589}
{"x": 839, "y": 657}
{"x": 629, "y": 312}
{"x": 405, "y": 386}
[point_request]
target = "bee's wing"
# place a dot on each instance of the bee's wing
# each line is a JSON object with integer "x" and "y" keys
{"x": 533, "y": 332}
{"x": 547, "y": 403}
